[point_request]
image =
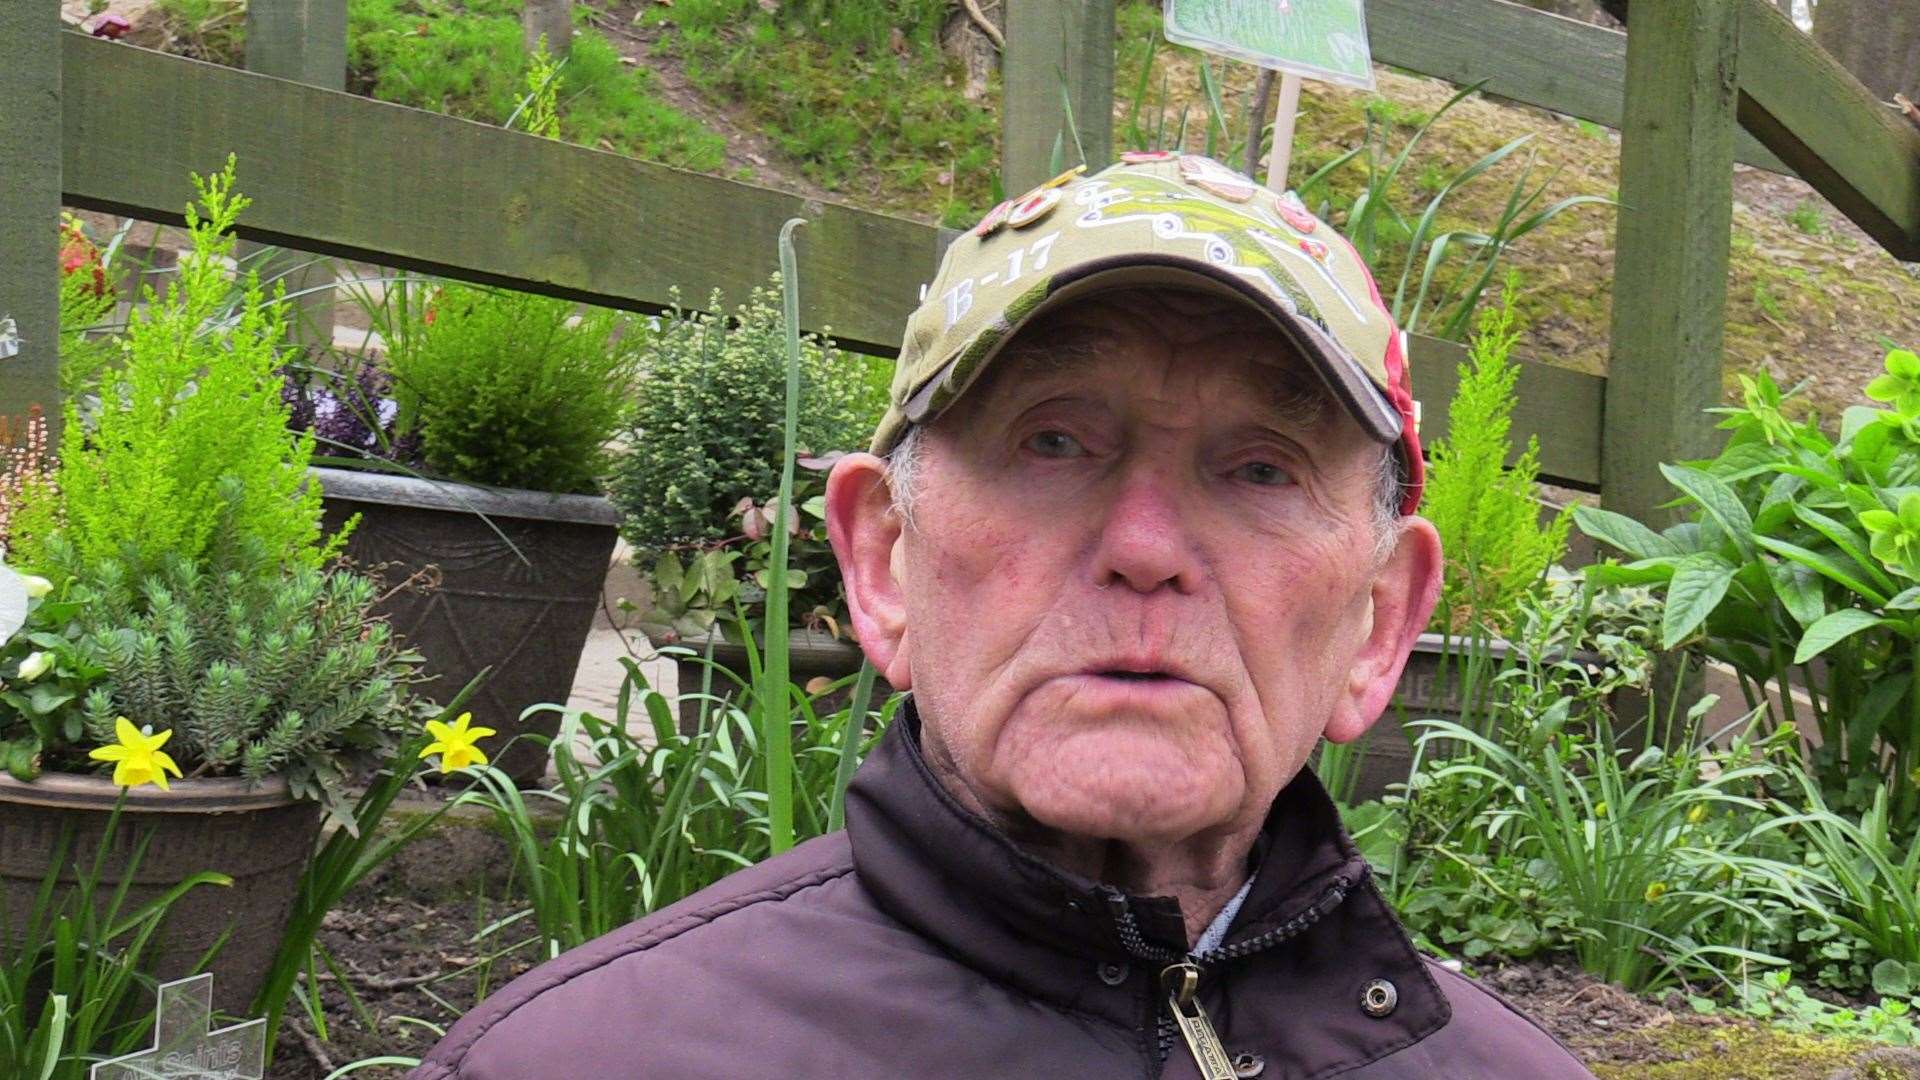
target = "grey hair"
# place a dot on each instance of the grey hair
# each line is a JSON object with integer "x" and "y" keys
{"x": 908, "y": 456}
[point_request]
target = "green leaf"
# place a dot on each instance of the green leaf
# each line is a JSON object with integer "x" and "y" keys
{"x": 1896, "y": 978}
{"x": 1717, "y": 498}
{"x": 1698, "y": 585}
{"x": 1799, "y": 591}
{"x": 1906, "y": 601}
{"x": 1624, "y": 533}
{"x": 1823, "y": 564}
{"x": 1832, "y": 630}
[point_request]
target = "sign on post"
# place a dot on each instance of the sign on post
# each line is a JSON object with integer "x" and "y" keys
{"x": 1313, "y": 39}
{"x": 1318, "y": 39}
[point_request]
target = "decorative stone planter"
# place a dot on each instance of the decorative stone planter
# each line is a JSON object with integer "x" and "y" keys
{"x": 523, "y": 613}
{"x": 259, "y": 836}
{"x": 810, "y": 655}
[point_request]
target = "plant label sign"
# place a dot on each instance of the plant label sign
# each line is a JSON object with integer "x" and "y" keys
{"x": 1317, "y": 39}
{"x": 184, "y": 1045}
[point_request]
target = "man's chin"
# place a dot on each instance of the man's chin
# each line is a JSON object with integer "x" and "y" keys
{"x": 1131, "y": 791}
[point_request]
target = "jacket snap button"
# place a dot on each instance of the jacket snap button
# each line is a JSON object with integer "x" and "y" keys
{"x": 1113, "y": 974}
{"x": 1248, "y": 1065}
{"x": 1379, "y": 998}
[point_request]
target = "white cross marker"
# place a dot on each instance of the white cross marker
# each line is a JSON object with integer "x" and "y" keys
{"x": 184, "y": 1047}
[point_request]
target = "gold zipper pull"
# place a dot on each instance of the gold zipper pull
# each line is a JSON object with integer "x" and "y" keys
{"x": 1181, "y": 982}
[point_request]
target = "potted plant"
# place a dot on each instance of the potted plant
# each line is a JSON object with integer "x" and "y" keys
{"x": 176, "y": 643}
{"x": 697, "y": 486}
{"x": 487, "y": 417}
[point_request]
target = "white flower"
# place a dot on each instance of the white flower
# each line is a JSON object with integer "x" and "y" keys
{"x": 37, "y": 587}
{"x": 35, "y": 665}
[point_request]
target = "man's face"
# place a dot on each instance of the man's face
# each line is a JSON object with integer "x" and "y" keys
{"x": 1141, "y": 581}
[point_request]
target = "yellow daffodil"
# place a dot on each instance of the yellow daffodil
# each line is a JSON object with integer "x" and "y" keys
{"x": 1697, "y": 814}
{"x": 1600, "y": 808}
{"x": 1656, "y": 890}
{"x": 454, "y": 743}
{"x": 137, "y": 755}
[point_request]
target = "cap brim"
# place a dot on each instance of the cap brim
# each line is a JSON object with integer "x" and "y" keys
{"x": 1344, "y": 378}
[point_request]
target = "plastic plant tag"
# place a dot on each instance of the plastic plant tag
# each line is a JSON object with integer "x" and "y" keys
{"x": 184, "y": 1045}
{"x": 9, "y": 339}
{"x": 1317, "y": 39}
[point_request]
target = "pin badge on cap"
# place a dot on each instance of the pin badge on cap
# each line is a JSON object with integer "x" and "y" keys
{"x": 1034, "y": 207}
{"x": 1295, "y": 213}
{"x": 1146, "y": 157}
{"x": 1314, "y": 248}
{"x": 995, "y": 218}
{"x": 1064, "y": 178}
{"x": 1210, "y": 175}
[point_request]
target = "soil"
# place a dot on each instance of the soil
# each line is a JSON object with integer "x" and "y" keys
{"x": 406, "y": 943}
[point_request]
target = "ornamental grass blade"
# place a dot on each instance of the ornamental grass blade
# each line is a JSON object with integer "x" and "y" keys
{"x": 776, "y": 732}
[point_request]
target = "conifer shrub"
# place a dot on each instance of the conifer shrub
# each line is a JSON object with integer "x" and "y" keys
{"x": 706, "y": 424}
{"x": 513, "y": 390}
{"x": 1497, "y": 550}
{"x": 191, "y": 404}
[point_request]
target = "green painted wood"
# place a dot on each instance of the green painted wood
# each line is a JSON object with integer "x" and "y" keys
{"x": 30, "y": 204}
{"x": 302, "y": 40}
{"x": 305, "y": 41}
{"x": 1560, "y": 406}
{"x": 1058, "y": 51}
{"x": 1863, "y": 156}
{"x": 1530, "y": 56}
{"x": 344, "y": 175}
{"x": 1675, "y": 230}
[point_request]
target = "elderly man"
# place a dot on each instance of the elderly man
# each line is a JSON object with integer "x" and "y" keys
{"x": 1136, "y": 533}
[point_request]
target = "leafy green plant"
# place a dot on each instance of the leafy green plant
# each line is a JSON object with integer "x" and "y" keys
{"x": 644, "y": 820}
{"x": 180, "y": 419}
{"x": 70, "y": 964}
{"x": 1773, "y": 997}
{"x": 1796, "y": 565}
{"x": 1487, "y": 514}
{"x": 513, "y": 390}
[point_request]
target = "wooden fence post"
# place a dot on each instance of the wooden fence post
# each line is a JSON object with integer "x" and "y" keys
{"x": 304, "y": 41}
{"x": 1059, "y": 54}
{"x": 30, "y": 205}
{"x": 1675, "y": 229}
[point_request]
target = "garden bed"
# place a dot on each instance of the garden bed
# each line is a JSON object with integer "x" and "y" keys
{"x": 405, "y": 941}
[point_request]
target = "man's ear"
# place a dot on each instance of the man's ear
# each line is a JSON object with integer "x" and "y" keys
{"x": 868, "y": 541}
{"x": 1403, "y": 596}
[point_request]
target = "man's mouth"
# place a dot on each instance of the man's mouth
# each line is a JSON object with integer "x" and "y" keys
{"x": 1134, "y": 676}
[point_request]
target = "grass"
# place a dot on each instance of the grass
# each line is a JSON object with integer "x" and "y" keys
{"x": 466, "y": 59}
{"x": 858, "y": 92}
{"x": 1806, "y": 217}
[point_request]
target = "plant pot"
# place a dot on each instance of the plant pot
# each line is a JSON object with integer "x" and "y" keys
{"x": 258, "y": 835}
{"x": 524, "y": 613}
{"x": 810, "y": 655}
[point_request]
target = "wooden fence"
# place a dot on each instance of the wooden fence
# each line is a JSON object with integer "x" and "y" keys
{"x": 1693, "y": 86}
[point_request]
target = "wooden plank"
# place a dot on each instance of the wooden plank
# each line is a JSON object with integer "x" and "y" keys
{"x": 343, "y": 175}
{"x": 302, "y": 40}
{"x": 305, "y": 41}
{"x": 1861, "y": 155}
{"x": 1530, "y": 56}
{"x": 1559, "y": 405}
{"x": 1058, "y": 51}
{"x": 30, "y": 205}
{"x": 1675, "y": 230}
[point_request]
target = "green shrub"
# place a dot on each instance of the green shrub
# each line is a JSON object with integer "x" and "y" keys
{"x": 706, "y": 421}
{"x": 1489, "y": 520}
{"x": 512, "y": 390}
{"x": 191, "y": 406}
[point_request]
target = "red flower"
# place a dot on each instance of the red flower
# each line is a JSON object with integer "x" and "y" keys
{"x": 111, "y": 27}
{"x": 78, "y": 253}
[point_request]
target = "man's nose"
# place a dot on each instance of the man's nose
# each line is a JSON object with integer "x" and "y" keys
{"x": 1144, "y": 539}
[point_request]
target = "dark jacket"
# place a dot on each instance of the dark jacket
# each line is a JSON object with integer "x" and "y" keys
{"x": 922, "y": 943}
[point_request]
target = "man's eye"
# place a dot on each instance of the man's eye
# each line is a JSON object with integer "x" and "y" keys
{"x": 1054, "y": 444}
{"x": 1264, "y": 473}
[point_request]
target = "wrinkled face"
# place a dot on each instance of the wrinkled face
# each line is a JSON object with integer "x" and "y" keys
{"x": 1141, "y": 578}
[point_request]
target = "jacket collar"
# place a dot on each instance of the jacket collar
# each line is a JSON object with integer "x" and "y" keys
{"x": 960, "y": 882}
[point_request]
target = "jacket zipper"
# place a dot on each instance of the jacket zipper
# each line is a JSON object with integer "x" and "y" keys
{"x": 1180, "y": 1013}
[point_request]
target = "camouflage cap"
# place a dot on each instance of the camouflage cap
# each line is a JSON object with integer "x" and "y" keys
{"x": 1159, "y": 218}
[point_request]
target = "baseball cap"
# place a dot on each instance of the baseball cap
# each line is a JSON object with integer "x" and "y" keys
{"x": 1168, "y": 219}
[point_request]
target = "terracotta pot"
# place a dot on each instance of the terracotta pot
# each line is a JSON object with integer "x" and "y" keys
{"x": 259, "y": 836}
{"x": 810, "y": 655}
{"x": 525, "y": 618}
